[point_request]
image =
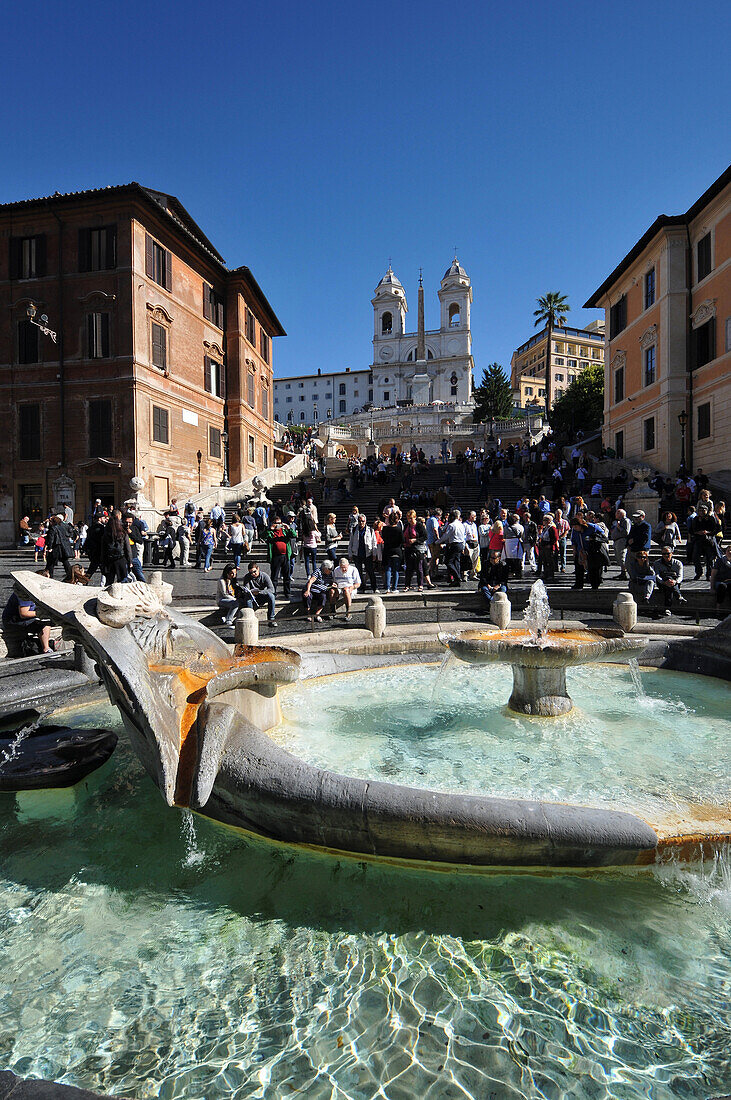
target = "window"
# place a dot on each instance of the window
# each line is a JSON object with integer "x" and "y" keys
{"x": 28, "y": 257}
{"x": 252, "y": 450}
{"x": 214, "y": 377}
{"x": 31, "y": 502}
{"x": 595, "y": 353}
{"x": 573, "y": 363}
{"x": 301, "y": 385}
{"x": 265, "y": 400}
{"x": 619, "y": 444}
{"x": 302, "y": 397}
{"x": 158, "y": 263}
{"x": 558, "y": 361}
{"x": 648, "y": 427}
{"x": 571, "y": 349}
{"x": 618, "y": 317}
{"x": 100, "y": 429}
{"x": 650, "y": 288}
{"x": 704, "y": 421}
{"x": 386, "y": 324}
{"x": 212, "y": 306}
{"x": 370, "y": 395}
{"x": 558, "y": 377}
{"x": 370, "y": 378}
{"x": 315, "y": 397}
{"x": 264, "y": 345}
{"x": 250, "y": 390}
{"x": 302, "y": 416}
{"x": 342, "y": 406}
{"x": 214, "y": 441}
{"x": 704, "y": 339}
{"x": 97, "y": 335}
{"x": 649, "y": 365}
{"x": 160, "y": 425}
{"x": 98, "y": 248}
{"x": 341, "y": 388}
{"x": 529, "y": 390}
{"x": 265, "y": 449}
{"x": 29, "y": 424}
{"x": 355, "y": 393}
{"x": 250, "y": 327}
{"x": 618, "y": 385}
{"x": 27, "y": 342}
{"x": 287, "y": 386}
{"x": 703, "y": 257}
{"x": 159, "y": 346}
{"x": 289, "y": 400}
{"x": 385, "y": 380}
{"x": 328, "y": 396}
{"x": 454, "y": 315}
{"x": 387, "y": 396}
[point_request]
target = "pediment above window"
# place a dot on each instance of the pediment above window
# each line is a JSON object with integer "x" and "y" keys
{"x": 649, "y": 337}
{"x": 704, "y": 312}
{"x": 159, "y": 313}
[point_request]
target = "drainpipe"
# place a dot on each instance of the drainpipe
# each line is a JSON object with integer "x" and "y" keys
{"x": 61, "y": 364}
{"x": 689, "y": 349}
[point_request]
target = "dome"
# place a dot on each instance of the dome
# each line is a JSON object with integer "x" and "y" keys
{"x": 390, "y": 282}
{"x": 455, "y": 270}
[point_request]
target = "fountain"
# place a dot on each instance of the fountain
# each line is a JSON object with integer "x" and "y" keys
{"x": 539, "y": 657}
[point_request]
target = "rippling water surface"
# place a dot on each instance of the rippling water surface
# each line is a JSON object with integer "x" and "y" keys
{"x": 147, "y": 955}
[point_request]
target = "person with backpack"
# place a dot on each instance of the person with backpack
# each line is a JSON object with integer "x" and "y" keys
{"x": 116, "y": 551}
{"x": 309, "y": 537}
{"x": 547, "y": 548}
{"x": 279, "y": 539}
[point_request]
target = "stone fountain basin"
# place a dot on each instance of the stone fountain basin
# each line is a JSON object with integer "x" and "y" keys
{"x": 559, "y": 649}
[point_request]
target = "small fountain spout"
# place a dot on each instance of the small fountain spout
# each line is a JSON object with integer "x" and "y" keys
{"x": 537, "y": 614}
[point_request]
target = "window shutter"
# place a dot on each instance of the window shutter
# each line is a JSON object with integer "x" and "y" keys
{"x": 206, "y": 302}
{"x": 222, "y": 380}
{"x": 84, "y": 242}
{"x": 16, "y": 252}
{"x": 168, "y": 270}
{"x": 104, "y": 335}
{"x": 149, "y": 257}
{"x": 40, "y": 255}
{"x": 219, "y": 313}
{"x": 207, "y": 373}
{"x": 90, "y": 348}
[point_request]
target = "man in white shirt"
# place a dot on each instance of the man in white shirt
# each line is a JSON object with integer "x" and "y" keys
{"x": 454, "y": 539}
{"x": 472, "y": 542}
{"x": 347, "y": 579}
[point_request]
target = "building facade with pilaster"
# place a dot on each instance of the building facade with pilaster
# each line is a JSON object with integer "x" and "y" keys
{"x": 667, "y": 391}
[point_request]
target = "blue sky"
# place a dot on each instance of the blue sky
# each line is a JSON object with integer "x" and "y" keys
{"x": 314, "y": 141}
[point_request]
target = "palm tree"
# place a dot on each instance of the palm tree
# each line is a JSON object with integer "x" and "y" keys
{"x": 551, "y": 312}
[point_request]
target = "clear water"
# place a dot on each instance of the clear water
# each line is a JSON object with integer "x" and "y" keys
{"x": 660, "y": 743}
{"x": 261, "y": 971}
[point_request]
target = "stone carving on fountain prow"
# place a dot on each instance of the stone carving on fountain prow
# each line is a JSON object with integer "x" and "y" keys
{"x": 172, "y": 679}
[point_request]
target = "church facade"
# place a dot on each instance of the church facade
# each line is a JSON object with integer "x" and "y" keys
{"x": 416, "y": 367}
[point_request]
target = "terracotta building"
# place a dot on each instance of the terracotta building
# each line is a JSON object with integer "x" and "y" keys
{"x": 161, "y": 365}
{"x": 667, "y": 394}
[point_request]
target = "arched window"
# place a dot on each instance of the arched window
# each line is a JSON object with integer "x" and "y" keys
{"x": 386, "y": 324}
{"x": 453, "y": 384}
{"x": 410, "y": 358}
{"x": 454, "y": 316}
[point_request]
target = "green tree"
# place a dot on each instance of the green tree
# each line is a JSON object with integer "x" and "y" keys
{"x": 551, "y": 312}
{"x": 582, "y": 403}
{"x": 493, "y": 397}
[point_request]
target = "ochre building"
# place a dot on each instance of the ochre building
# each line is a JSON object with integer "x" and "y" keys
{"x": 573, "y": 350}
{"x": 667, "y": 393}
{"x": 162, "y": 363}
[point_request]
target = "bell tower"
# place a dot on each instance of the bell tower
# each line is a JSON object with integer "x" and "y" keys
{"x": 455, "y": 295}
{"x": 389, "y": 309}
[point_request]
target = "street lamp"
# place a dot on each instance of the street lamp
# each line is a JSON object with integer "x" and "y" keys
{"x": 314, "y": 414}
{"x": 682, "y": 420}
{"x": 199, "y": 456}
{"x": 491, "y": 437}
{"x": 42, "y": 324}
{"x": 224, "y": 441}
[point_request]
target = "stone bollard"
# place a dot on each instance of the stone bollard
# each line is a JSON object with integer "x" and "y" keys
{"x": 246, "y": 627}
{"x": 375, "y": 616}
{"x": 500, "y": 610}
{"x": 156, "y": 579}
{"x": 624, "y": 610}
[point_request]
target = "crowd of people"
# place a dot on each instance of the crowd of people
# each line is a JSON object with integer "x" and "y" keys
{"x": 418, "y": 539}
